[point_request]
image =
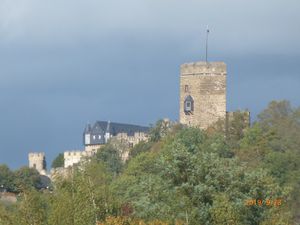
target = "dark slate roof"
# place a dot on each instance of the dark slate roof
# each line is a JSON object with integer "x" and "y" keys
{"x": 98, "y": 129}
{"x": 88, "y": 128}
{"x": 188, "y": 98}
{"x": 115, "y": 128}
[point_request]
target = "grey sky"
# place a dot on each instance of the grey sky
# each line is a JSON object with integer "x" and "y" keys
{"x": 64, "y": 63}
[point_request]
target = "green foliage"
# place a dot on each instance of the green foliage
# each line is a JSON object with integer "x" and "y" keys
{"x": 283, "y": 165}
{"x": 32, "y": 209}
{"x": 198, "y": 176}
{"x": 236, "y": 128}
{"x": 22, "y": 179}
{"x": 7, "y": 179}
{"x": 27, "y": 178}
{"x": 111, "y": 156}
{"x": 6, "y": 217}
{"x": 273, "y": 143}
{"x": 281, "y": 119}
{"x": 160, "y": 130}
{"x": 58, "y": 161}
{"x": 181, "y": 174}
{"x": 83, "y": 198}
{"x": 276, "y": 113}
{"x": 139, "y": 148}
{"x": 189, "y": 180}
{"x": 62, "y": 204}
{"x": 224, "y": 211}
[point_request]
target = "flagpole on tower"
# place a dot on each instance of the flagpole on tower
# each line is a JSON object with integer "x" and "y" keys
{"x": 207, "y": 32}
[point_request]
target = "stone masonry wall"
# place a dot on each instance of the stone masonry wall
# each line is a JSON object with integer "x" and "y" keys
{"x": 37, "y": 160}
{"x": 206, "y": 83}
{"x": 74, "y": 157}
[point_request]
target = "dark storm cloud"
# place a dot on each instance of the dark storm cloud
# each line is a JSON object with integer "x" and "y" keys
{"x": 64, "y": 63}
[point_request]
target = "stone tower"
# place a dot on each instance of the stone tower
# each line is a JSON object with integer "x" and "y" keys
{"x": 37, "y": 160}
{"x": 202, "y": 93}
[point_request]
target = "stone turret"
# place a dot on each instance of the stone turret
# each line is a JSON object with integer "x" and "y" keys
{"x": 37, "y": 160}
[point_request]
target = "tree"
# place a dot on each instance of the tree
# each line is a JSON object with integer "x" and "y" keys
{"x": 7, "y": 179}
{"x": 111, "y": 156}
{"x": 32, "y": 209}
{"x": 190, "y": 179}
{"x": 62, "y": 203}
{"x": 58, "y": 161}
{"x": 139, "y": 148}
{"x": 185, "y": 176}
{"x": 274, "y": 144}
{"x": 237, "y": 124}
{"x": 6, "y": 217}
{"x": 204, "y": 180}
{"x": 141, "y": 189}
{"x": 27, "y": 178}
{"x": 160, "y": 130}
{"x": 84, "y": 197}
{"x": 276, "y": 113}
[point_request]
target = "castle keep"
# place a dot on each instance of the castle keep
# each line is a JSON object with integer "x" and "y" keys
{"x": 202, "y": 93}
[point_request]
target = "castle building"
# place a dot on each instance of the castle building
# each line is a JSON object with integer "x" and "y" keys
{"x": 202, "y": 103}
{"x": 98, "y": 135}
{"x": 37, "y": 160}
{"x": 202, "y": 93}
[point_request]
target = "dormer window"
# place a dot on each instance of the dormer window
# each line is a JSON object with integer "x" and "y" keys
{"x": 188, "y": 104}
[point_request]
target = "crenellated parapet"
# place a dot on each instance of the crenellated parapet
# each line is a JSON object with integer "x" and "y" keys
{"x": 203, "y": 68}
{"x": 75, "y": 156}
{"x": 36, "y": 155}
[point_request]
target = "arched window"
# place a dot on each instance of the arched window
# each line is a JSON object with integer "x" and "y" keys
{"x": 188, "y": 104}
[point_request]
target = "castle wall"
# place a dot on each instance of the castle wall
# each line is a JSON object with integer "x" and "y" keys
{"x": 132, "y": 140}
{"x": 74, "y": 157}
{"x": 206, "y": 84}
{"x": 92, "y": 148}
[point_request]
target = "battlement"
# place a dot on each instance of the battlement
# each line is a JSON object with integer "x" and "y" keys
{"x": 203, "y": 68}
{"x": 36, "y": 155}
{"x": 73, "y": 153}
{"x": 77, "y": 153}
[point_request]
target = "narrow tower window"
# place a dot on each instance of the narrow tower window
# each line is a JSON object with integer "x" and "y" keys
{"x": 186, "y": 88}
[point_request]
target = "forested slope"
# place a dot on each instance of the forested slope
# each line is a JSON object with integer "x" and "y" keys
{"x": 181, "y": 176}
